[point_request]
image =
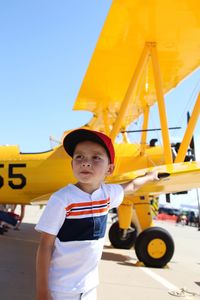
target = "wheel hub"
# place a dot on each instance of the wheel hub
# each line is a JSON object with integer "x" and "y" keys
{"x": 156, "y": 248}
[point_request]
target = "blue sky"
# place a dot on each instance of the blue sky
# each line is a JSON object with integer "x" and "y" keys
{"x": 45, "y": 49}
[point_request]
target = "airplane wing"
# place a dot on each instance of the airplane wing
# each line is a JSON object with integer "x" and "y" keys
{"x": 41, "y": 200}
{"x": 183, "y": 177}
{"x": 175, "y": 28}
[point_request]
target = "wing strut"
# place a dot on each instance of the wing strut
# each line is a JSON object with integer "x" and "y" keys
{"x": 161, "y": 105}
{"x": 189, "y": 132}
{"x": 133, "y": 84}
{"x": 149, "y": 50}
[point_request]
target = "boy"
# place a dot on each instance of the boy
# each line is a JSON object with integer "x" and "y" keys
{"x": 74, "y": 221}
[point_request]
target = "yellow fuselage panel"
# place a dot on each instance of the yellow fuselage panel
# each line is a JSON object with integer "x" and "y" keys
{"x": 128, "y": 157}
{"x": 9, "y": 151}
{"x": 28, "y": 176}
{"x": 24, "y": 177}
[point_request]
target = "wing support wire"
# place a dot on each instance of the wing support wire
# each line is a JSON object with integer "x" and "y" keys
{"x": 189, "y": 132}
{"x": 144, "y": 130}
{"x": 148, "y": 51}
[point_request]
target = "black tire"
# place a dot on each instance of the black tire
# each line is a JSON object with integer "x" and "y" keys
{"x": 118, "y": 240}
{"x": 154, "y": 247}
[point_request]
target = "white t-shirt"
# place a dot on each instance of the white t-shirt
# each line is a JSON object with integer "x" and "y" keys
{"x": 78, "y": 220}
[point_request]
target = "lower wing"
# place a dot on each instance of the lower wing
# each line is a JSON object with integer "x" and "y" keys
{"x": 176, "y": 177}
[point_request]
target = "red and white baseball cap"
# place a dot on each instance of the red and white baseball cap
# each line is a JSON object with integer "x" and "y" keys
{"x": 79, "y": 135}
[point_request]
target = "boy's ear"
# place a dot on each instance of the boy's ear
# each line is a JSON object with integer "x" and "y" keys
{"x": 110, "y": 170}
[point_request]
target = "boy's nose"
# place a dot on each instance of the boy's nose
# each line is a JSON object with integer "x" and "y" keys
{"x": 86, "y": 163}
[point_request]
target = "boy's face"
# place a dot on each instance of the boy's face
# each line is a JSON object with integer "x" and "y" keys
{"x": 91, "y": 164}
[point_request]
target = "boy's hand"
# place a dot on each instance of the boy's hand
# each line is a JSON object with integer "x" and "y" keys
{"x": 153, "y": 175}
{"x": 139, "y": 181}
{"x": 156, "y": 175}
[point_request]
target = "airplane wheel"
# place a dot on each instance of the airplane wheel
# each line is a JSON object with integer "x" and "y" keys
{"x": 120, "y": 238}
{"x": 154, "y": 247}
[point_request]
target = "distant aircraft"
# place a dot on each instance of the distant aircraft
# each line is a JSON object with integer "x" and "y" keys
{"x": 144, "y": 50}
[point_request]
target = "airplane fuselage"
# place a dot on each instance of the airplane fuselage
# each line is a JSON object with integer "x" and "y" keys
{"x": 28, "y": 176}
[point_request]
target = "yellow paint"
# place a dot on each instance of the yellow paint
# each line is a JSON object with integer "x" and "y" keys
{"x": 142, "y": 217}
{"x": 175, "y": 28}
{"x": 131, "y": 88}
{"x": 44, "y": 173}
{"x": 125, "y": 215}
{"x": 143, "y": 210}
{"x": 161, "y": 105}
{"x": 156, "y": 248}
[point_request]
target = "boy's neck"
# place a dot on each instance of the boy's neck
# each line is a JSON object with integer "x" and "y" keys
{"x": 87, "y": 188}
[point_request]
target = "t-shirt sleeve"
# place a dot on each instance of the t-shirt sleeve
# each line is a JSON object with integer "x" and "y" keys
{"x": 116, "y": 194}
{"x": 52, "y": 217}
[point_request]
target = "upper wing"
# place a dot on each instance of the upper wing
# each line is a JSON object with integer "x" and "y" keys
{"x": 183, "y": 176}
{"x": 173, "y": 25}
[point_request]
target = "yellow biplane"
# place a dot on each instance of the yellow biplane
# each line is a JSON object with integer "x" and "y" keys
{"x": 144, "y": 50}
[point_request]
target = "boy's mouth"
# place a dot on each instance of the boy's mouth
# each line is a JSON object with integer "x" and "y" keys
{"x": 85, "y": 172}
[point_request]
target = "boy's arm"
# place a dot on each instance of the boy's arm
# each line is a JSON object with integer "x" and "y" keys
{"x": 43, "y": 259}
{"x": 135, "y": 184}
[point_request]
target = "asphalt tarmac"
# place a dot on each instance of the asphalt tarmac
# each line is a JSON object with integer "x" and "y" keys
{"x": 120, "y": 277}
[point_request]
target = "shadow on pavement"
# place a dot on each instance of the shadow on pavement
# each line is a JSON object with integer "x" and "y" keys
{"x": 17, "y": 263}
{"x": 115, "y": 257}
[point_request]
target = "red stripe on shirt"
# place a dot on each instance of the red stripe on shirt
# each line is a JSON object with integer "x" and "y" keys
{"x": 87, "y": 212}
{"x": 85, "y": 204}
